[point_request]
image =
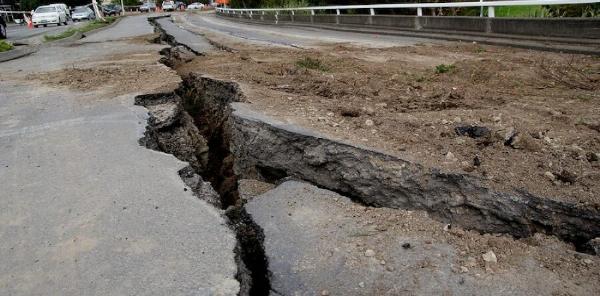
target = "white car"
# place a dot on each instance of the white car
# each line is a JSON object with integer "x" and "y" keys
{"x": 168, "y": 5}
{"x": 63, "y": 7}
{"x": 195, "y": 5}
{"x": 45, "y": 15}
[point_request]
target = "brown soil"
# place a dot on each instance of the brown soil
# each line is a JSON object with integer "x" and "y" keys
{"x": 542, "y": 109}
{"x": 116, "y": 74}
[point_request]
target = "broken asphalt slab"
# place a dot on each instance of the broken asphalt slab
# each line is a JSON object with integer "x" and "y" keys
{"x": 320, "y": 243}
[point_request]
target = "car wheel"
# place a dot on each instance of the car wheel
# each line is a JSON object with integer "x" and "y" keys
{"x": 45, "y": 26}
{"x": 2, "y": 32}
{"x": 35, "y": 26}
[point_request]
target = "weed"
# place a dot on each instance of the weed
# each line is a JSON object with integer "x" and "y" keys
{"x": 92, "y": 25}
{"x": 442, "y": 68}
{"x": 312, "y": 63}
{"x": 480, "y": 49}
{"x": 5, "y": 46}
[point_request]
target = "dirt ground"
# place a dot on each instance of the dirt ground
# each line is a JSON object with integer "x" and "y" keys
{"x": 517, "y": 118}
{"x": 117, "y": 74}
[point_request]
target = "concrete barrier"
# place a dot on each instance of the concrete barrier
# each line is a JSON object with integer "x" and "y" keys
{"x": 570, "y": 28}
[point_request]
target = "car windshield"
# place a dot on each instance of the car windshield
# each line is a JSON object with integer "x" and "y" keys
{"x": 80, "y": 10}
{"x": 45, "y": 9}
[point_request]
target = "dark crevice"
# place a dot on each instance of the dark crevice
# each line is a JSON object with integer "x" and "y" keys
{"x": 192, "y": 124}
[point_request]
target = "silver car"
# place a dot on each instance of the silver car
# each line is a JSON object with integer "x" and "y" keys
{"x": 83, "y": 13}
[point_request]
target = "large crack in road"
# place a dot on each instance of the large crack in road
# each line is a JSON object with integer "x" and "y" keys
{"x": 205, "y": 123}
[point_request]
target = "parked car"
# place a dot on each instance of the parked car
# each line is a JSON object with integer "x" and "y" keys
{"x": 83, "y": 13}
{"x": 179, "y": 5}
{"x": 147, "y": 7}
{"x": 168, "y": 5}
{"x": 2, "y": 28}
{"x": 111, "y": 9}
{"x": 45, "y": 15}
{"x": 63, "y": 7}
{"x": 195, "y": 5}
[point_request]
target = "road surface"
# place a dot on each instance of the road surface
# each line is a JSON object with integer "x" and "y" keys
{"x": 86, "y": 210}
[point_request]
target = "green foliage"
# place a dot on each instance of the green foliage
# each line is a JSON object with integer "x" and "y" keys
{"x": 65, "y": 34}
{"x": 126, "y": 2}
{"x": 92, "y": 25}
{"x": 5, "y": 46}
{"x": 442, "y": 68}
{"x": 312, "y": 63}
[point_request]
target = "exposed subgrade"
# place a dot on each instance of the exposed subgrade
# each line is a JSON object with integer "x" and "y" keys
{"x": 185, "y": 124}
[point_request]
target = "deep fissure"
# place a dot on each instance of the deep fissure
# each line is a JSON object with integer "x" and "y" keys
{"x": 205, "y": 105}
{"x": 206, "y": 148}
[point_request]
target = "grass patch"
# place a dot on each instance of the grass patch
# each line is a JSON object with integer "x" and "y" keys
{"x": 5, "y": 46}
{"x": 92, "y": 25}
{"x": 521, "y": 11}
{"x": 442, "y": 68}
{"x": 311, "y": 63}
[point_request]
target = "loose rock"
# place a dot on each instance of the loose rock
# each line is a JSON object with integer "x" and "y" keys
{"x": 490, "y": 257}
{"x": 369, "y": 253}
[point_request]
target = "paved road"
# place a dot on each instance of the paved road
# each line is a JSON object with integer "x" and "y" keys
{"x": 23, "y": 33}
{"x": 86, "y": 210}
{"x": 290, "y": 36}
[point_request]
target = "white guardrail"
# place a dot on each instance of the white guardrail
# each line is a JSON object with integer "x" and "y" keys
{"x": 419, "y": 6}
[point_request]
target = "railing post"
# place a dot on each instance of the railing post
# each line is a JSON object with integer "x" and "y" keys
{"x": 419, "y": 11}
{"x": 250, "y": 14}
{"x": 276, "y": 17}
{"x": 292, "y": 16}
{"x": 371, "y": 14}
{"x": 491, "y": 12}
{"x": 372, "y": 11}
{"x": 312, "y": 16}
{"x": 262, "y": 16}
{"x": 337, "y": 16}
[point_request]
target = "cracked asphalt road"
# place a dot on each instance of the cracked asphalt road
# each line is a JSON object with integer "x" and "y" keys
{"x": 86, "y": 210}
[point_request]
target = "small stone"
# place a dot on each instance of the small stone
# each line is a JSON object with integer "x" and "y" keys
{"x": 444, "y": 121}
{"x": 389, "y": 268}
{"x": 369, "y": 122}
{"x": 406, "y": 246}
{"x": 471, "y": 262}
{"x": 587, "y": 261}
{"x": 382, "y": 262}
{"x": 369, "y": 110}
{"x": 463, "y": 269}
{"x": 447, "y": 227}
{"x": 329, "y": 114}
{"x": 472, "y": 131}
{"x": 369, "y": 253}
{"x": 566, "y": 176}
{"x": 324, "y": 293}
{"x": 457, "y": 119}
{"x": 361, "y": 284}
{"x": 490, "y": 257}
{"x": 592, "y": 156}
{"x": 497, "y": 118}
{"x": 450, "y": 157}
{"x": 550, "y": 176}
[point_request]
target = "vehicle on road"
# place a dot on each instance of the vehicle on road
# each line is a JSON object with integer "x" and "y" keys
{"x": 63, "y": 7}
{"x": 2, "y": 28}
{"x": 45, "y": 15}
{"x": 147, "y": 7}
{"x": 111, "y": 9}
{"x": 83, "y": 13}
{"x": 195, "y": 5}
{"x": 168, "y": 5}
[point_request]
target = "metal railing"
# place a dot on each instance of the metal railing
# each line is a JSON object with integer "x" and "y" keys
{"x": 419, "y": 6}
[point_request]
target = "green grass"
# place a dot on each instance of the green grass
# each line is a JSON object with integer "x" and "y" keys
{"x": 521, "y": 11}
{"x": 92, "y": 25}
{"x": 442, "y": 68}
{"x": 312, "y": 63}
{"x": 5, "y": 46}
